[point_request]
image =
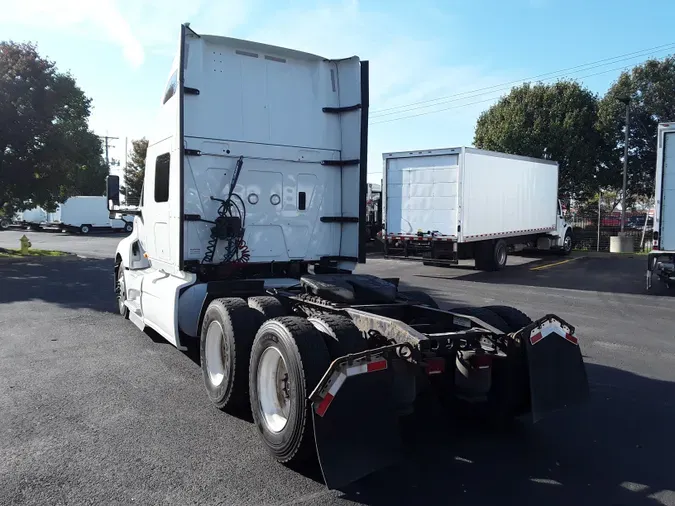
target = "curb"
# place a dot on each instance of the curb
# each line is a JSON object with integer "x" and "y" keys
{"x": 69, "y": 257}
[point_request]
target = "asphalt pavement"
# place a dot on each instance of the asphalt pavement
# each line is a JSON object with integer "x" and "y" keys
{"x": 94, "y": 411}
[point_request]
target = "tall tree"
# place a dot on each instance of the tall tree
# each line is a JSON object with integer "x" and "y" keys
{"x": 134, "y": 172}
{"x": 46, "y": 148}
{"x": 553, "y": 121}
{"x": 650, "y": 87}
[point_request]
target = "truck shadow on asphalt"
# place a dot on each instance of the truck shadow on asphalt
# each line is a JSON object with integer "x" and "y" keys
{"x": 597, "y": 274}
{"x": 73, "y": 283}
{"x": 614, "y": 451}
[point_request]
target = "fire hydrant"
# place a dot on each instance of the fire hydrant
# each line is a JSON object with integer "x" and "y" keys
{"x": 25, "y": 245}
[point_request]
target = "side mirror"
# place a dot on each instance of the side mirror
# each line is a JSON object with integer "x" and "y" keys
{"x": 112, "y": 192}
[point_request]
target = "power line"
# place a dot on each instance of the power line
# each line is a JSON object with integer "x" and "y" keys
{"x": 482, "y": 101}
{"x": 472, "y": 93}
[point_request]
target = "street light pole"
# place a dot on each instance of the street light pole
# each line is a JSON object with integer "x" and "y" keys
{"x": 626, "y": 101}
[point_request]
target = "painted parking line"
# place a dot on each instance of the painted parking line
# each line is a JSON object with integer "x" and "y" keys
{"x": 554, "y": 264}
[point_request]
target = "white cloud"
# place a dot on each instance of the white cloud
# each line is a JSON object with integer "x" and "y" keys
{"x": 100, "y": 19}
{"x": 407, "y": 65}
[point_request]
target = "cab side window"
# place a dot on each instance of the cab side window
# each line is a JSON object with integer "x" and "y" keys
{"x": 162, "y": 171}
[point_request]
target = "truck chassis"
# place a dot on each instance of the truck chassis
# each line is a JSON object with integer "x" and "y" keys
{"x": 352, "y": 353}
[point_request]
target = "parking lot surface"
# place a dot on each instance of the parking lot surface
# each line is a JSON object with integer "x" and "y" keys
{"x": 94, "y": 411}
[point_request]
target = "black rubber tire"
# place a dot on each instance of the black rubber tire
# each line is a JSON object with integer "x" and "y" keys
{"x": 85, "y": 229}
{"x": 567, "y": 246}
{"x": 239, "y": 324}
{"x": 128, "y": 227}
{"x": 307, "y": 359}
{"x": 488, "y": 316}
{"x": 123, "y": 310}
{"x": 419, "y": 296}
{"x": 340, "y": 335}
{"x": 513, "y": 317}
{"x": 269, "y": 307}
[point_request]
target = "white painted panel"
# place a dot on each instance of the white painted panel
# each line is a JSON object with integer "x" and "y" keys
{"x": 265, "y": 104}
{"x": 667, "y": 218}
{"x": 503, "y": 195}
{"x": 421, "y": 194}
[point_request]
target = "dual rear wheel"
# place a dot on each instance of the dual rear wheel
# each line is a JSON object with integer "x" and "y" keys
{"x": 253, "y": 355}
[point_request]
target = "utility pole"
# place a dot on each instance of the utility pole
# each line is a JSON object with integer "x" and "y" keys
{"x": 625, "y": 100}
{"x": 107, "y": 138}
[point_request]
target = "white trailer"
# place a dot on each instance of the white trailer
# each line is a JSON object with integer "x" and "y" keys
{"x": 661, "y": 260}
{"x": 86, "y": 214}
{"x": 251, "y": 223}
{"x": 444, "y": 205}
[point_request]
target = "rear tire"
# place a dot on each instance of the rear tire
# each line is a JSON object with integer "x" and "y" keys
{"x": 280, "y": 407}
{"x": 513, "y": 317}
{"x": 269, "y": 307}
{"x": 226, "y": 337}
{"x": 420, "y": 297}
{"x": 85, "y": 229}
{"x": 340, "y": 335}
{"x": 484, "y": 314}
{"x": 128, "y": 227}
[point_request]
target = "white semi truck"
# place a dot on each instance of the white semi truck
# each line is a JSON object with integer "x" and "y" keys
{"x": 445, "y": 205}
{"x": 250, "y": 226}
{"x": 661, "y": 260}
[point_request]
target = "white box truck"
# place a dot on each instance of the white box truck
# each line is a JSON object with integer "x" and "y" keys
{"x": 661, "y": 260}
{"x": 445, "y": 205}
{"x": 87, "y": 213}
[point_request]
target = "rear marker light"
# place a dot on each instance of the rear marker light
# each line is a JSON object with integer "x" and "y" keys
{"x": 435, "y": 365}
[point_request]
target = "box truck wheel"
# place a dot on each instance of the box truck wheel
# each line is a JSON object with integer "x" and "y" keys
{"x": 128, "y": 227}
{"x": 226, "y": 337}
{"x": 491, "y": 255}
{"x": 85, "y": 229}
{"x": 288, "y": 359}
{"x": 567, "y": 243}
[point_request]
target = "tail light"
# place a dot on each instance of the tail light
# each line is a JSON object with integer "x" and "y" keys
{"x": 481, "y": 361}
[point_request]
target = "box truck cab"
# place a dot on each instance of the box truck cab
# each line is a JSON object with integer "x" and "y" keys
{"x": 445, "y": 205}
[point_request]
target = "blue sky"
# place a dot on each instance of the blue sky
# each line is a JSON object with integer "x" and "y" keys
{"x": 120, "y": 51}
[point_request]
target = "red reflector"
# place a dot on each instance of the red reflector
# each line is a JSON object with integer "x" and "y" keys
{"x": 377, "y": 366}
{"x": 481, "y": 361}
{"x": 571, "y": 338}
{"x": 323, "y": 405}
{"x": 435, "y": 365}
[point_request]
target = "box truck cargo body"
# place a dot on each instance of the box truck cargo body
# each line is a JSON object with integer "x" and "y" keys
{"x": 662, "y": 258}
{"x": 457, "y": 203}
{"x": 86, "y": 214}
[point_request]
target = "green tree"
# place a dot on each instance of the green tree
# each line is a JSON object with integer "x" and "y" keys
{"x": 554, "y": 121}
{"x": 650, "y": 87}
{"x": 134, "y": 172}
{"x": 47, "y": 152}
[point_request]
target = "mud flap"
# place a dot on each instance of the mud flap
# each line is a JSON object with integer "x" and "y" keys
{"x": 556, "y": 368}
{"x": 356, "y": 426}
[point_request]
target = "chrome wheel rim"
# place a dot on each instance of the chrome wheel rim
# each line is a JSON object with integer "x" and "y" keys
{"x": 274, "y": 389}
{"x": 121, "y": 290}
{"x": 216, "y": 354}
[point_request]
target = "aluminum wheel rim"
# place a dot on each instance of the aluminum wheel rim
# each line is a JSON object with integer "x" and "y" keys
{"x": 274, "y": 389}
{"x": 568, "y": 243}
{"x": 216, "y": 354}
{"x": 502, "y": 256}
{"x": 121, "y": 295}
